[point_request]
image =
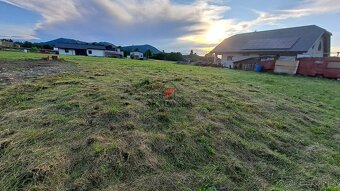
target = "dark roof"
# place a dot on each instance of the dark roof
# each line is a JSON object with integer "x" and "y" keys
{"x": 106, "y": 44}
{"x": 297, "y": 39}
{"x": 80, "y": 46}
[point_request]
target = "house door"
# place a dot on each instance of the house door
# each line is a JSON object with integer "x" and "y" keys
{"x": 81, "y": 52}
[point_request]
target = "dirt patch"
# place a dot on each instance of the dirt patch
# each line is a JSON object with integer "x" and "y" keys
{"x": 4, "y": 144}
{"x": 13, "y": 71}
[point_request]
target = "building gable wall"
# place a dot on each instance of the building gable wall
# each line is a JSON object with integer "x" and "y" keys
{"x": 64, "y": 52}
{"x": 92, "y": 52}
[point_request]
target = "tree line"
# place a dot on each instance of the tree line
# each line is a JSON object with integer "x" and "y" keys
{"x": 27, "y": 44}
{"x": 172, "y": 56}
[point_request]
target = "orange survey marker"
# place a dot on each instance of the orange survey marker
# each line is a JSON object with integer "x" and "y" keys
{"x": 169, "y": 92}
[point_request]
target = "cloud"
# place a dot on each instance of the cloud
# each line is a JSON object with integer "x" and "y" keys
{"x": 46, "y": 10}
{"x": 112, "y": 18}
{"x": 121, "y": 21}
{"x": 136, "y": 11}
{"x": 306, "y": 8}
{"x": 51, "y": 11}
{"x": 218, "y": 28}
{"x": 200, "y": 24}
{"x": 318, "y": 7}
{"x": 17, "y": 32}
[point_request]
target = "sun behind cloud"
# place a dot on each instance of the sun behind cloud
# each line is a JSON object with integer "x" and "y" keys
{"x": 215, "y": 34}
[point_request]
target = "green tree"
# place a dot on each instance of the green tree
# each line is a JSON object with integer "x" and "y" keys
{"x": 34, "y": 49}
{"x": 172, "y": 56}
{"x": 127, "y": 53}
{"x": 46, "y": 46}
{"x": 27, "y": 44}
{"x": 148, "y": 54}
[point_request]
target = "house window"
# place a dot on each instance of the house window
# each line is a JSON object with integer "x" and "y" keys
{"x": 320, "y": 47}
{"x": 66, "y": 51}
{"x": 90, "y": 51}
{"x": 229, "y": 58}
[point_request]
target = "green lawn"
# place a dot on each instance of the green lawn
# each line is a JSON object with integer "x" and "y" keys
{"x": 106, "y": 127}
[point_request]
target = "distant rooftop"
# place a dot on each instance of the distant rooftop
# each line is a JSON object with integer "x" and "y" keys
{"x": 296, "y": 39}
{"x": 80, "y": 46}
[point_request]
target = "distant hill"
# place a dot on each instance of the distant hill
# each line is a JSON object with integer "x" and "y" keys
{"x": 64, "y": 41}
{"x": 141, "y": 48}
{"x": 103, "y": 43}
{"x": 72, "y": 41}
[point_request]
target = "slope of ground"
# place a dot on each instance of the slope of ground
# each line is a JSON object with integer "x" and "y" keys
{"x": 107, "y": 127}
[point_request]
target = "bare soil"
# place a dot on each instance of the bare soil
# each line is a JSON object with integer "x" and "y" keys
{"x": 14, "y": 71}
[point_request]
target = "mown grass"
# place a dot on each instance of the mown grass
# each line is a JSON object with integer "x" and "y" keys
{"x": 107, "y": 127}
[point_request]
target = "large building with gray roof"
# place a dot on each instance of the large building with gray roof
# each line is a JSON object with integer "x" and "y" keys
{"x": 83, "y": 49}
{"x": 304, "y": 41}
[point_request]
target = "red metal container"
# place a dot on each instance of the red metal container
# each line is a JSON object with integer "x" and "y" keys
{"x": 268, "y": 66}
{"x": 44, "y": 51}
{"x": 328, "y": 67}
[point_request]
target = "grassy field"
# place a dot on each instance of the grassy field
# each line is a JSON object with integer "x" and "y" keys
{"x": 105, "y": 126}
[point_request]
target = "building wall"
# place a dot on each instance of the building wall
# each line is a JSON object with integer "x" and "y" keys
{"x": 315, "y": 51}
{"x": 70, "y": 52}
{"x": 229, "y": 59}
{"x": 119, "y": 52}
{"x": 137, "y": 54}
{"x": 95, "y": 52}
{"x": 9, "y": 44}
{"x": 111, "y": 53}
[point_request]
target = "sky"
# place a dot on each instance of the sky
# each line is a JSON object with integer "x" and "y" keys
{"x": 170, "y": 25}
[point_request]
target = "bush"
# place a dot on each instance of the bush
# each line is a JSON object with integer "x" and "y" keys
{"x": 172, "y": 56}
{"x": 34, "y": 49}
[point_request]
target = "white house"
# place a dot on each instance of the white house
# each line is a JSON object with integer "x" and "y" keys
{"x": 137, "y": 55}
{"x": 89, "y": 50}
{"x": 95, "y": 52}
{"x": 305, "y": 41}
